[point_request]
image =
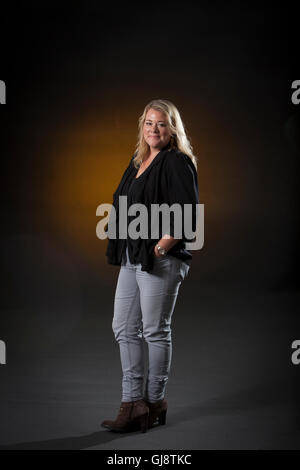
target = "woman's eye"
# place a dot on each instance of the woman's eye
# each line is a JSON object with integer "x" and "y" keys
{"x": 149, "y": 124}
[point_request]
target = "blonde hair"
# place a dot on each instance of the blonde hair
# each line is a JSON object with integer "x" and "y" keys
{"x": 179, "y": 139}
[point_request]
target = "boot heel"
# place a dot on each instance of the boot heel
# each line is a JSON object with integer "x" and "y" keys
{"x": 162, "y": 417}
{"x": 144, "y": 422}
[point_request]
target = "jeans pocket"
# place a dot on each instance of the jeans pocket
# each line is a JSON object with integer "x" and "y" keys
{"x": 160, "y": 258}
{"x": 162, "y": 265}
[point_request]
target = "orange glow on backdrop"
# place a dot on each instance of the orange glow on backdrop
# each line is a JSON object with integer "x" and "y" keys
{"x": 86, "y": 166}
{"x": 88, "y": 158}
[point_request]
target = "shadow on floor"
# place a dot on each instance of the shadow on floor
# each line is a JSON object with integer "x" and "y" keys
{"x": 273, "y": 393}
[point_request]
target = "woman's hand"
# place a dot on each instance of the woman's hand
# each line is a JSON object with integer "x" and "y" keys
{"x": 156, "y": 252}
{"x": 168, "y": 243}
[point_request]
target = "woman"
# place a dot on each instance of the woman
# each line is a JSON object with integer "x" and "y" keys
{"x": 162, "y": 170}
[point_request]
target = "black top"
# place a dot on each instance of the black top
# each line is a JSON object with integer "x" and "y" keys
{"x": 133, "y": 189}
{"x": 170, "y": 178}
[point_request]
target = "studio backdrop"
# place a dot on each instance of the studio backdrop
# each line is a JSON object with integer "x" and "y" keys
{"x": 74, "y": 82}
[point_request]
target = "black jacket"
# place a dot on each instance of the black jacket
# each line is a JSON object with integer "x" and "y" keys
{"x": 170, "y": 178}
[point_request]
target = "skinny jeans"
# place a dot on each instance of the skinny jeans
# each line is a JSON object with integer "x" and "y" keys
{"x": 143, "y": 307}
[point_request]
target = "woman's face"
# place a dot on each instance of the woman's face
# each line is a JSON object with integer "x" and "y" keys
{"x": 156, "y": 132}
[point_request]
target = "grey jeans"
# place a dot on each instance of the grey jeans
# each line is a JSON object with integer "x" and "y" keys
{"x": 143, "y": 308}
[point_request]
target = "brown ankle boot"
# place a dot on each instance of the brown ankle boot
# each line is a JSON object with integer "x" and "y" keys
{"x": 122, "y": 418}
{"x": 140, "y": 415}
{"x": 133, "y": 416}
{"x": 157, "y": 412}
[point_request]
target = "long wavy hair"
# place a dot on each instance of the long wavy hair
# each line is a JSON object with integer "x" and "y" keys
{"x": 179, "y": 139}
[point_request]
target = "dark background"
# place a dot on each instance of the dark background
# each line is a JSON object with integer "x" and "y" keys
{"x": 77, "y": 79}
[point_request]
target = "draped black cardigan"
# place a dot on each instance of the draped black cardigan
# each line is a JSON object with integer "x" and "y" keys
{"x": 171, "y": 178}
